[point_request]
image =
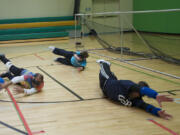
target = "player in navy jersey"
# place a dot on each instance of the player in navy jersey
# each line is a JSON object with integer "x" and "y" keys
{"x": 29, "y": 83}
{"x": 128, "y": 93}
{"x": 76, "y": 59}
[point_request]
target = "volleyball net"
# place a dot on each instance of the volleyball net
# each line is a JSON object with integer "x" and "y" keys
{"x": 136, "y": 34}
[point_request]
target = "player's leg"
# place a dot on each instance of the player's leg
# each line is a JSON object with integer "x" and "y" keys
{"x": 13, "y": 69}
{"x": 7, "y": 74}
{"x": 63, "y": 61}
{"x": 102, "y": 80}
{"x": 105, "y": 69}
{"x": 61, "y": 52}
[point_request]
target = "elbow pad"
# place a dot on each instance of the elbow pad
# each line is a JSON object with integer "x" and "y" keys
{"x": 17, "y": 79}
{"x": 149, "y": 92}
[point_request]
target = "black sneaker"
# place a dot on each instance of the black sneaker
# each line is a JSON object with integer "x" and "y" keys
{"x": 6, "y": 74}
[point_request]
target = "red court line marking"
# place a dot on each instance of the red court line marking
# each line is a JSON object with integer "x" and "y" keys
{"x": 38, "y": 132}
{"x": 163, "y": 127}
{"x": 39, "y": 56}
{"x": 20, "y": 113}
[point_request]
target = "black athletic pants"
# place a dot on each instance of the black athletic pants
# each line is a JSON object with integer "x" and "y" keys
{"x": 13, "y": 70}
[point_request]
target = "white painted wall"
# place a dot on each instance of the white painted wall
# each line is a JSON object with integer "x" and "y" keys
{"x": 10, "y": 9}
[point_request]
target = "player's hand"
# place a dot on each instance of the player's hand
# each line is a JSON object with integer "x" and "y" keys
{"x": 2, "y": 86}
{"x": 164, "y": 115}
{"x": 163, "y": 98}
{"x": 77, "y": 57}
{"x": 80, "y": 69}
{"x": 18, "y": 89}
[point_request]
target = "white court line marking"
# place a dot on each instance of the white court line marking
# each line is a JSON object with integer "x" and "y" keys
{"x": 177, "y": 100}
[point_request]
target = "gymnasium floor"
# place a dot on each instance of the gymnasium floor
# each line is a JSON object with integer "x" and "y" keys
{"x": 72, "y": 102}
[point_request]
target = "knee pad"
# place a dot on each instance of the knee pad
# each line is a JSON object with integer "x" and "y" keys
{"x": 8, "y": 65}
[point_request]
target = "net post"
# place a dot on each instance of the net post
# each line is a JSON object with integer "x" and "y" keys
{"x": 79, "y": 43}
{"x": 121, "y": 35}
{"x": 75, "y": 28}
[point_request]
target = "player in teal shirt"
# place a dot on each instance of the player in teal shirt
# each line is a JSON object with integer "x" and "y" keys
{"x": 76, "y": 59}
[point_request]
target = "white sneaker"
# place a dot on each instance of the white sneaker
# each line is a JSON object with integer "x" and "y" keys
{"x": 103, "y": 61}
{"x": 51, "y": 48}
{"x": 56, "y": 59}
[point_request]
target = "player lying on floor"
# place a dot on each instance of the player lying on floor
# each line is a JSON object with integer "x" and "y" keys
{"x": 129, "y": 93}
{"x": 75, "y": 59}
{"x": 28, "y": 82}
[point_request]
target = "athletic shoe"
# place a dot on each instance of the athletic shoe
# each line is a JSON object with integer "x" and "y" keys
{"x": 6, "y": 74}
{"x": 103, "y": 61}
{"x": 56, "y": 59}
{"x": 51, "y": 48}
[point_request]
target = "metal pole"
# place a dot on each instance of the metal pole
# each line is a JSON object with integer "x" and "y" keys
{"x": 75, "y": 29}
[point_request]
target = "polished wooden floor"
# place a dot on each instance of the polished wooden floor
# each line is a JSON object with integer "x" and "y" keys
{"x": 72, "y": 103}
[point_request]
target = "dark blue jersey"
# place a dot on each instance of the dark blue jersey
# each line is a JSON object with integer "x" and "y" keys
{"x": 117, "y": 90}
{"x": 122, "y": 90}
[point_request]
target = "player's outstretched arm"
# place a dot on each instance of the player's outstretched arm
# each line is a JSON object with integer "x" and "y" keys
{"x": 18, "y": 89}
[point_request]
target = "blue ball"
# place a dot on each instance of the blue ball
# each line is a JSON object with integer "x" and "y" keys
{"x": 1, "y": 80}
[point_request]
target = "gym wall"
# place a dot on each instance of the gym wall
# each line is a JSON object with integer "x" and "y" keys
{"x": 99, "y": 6}
{"x": 157, "y": 22}
{"x": 13, "y": 9}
